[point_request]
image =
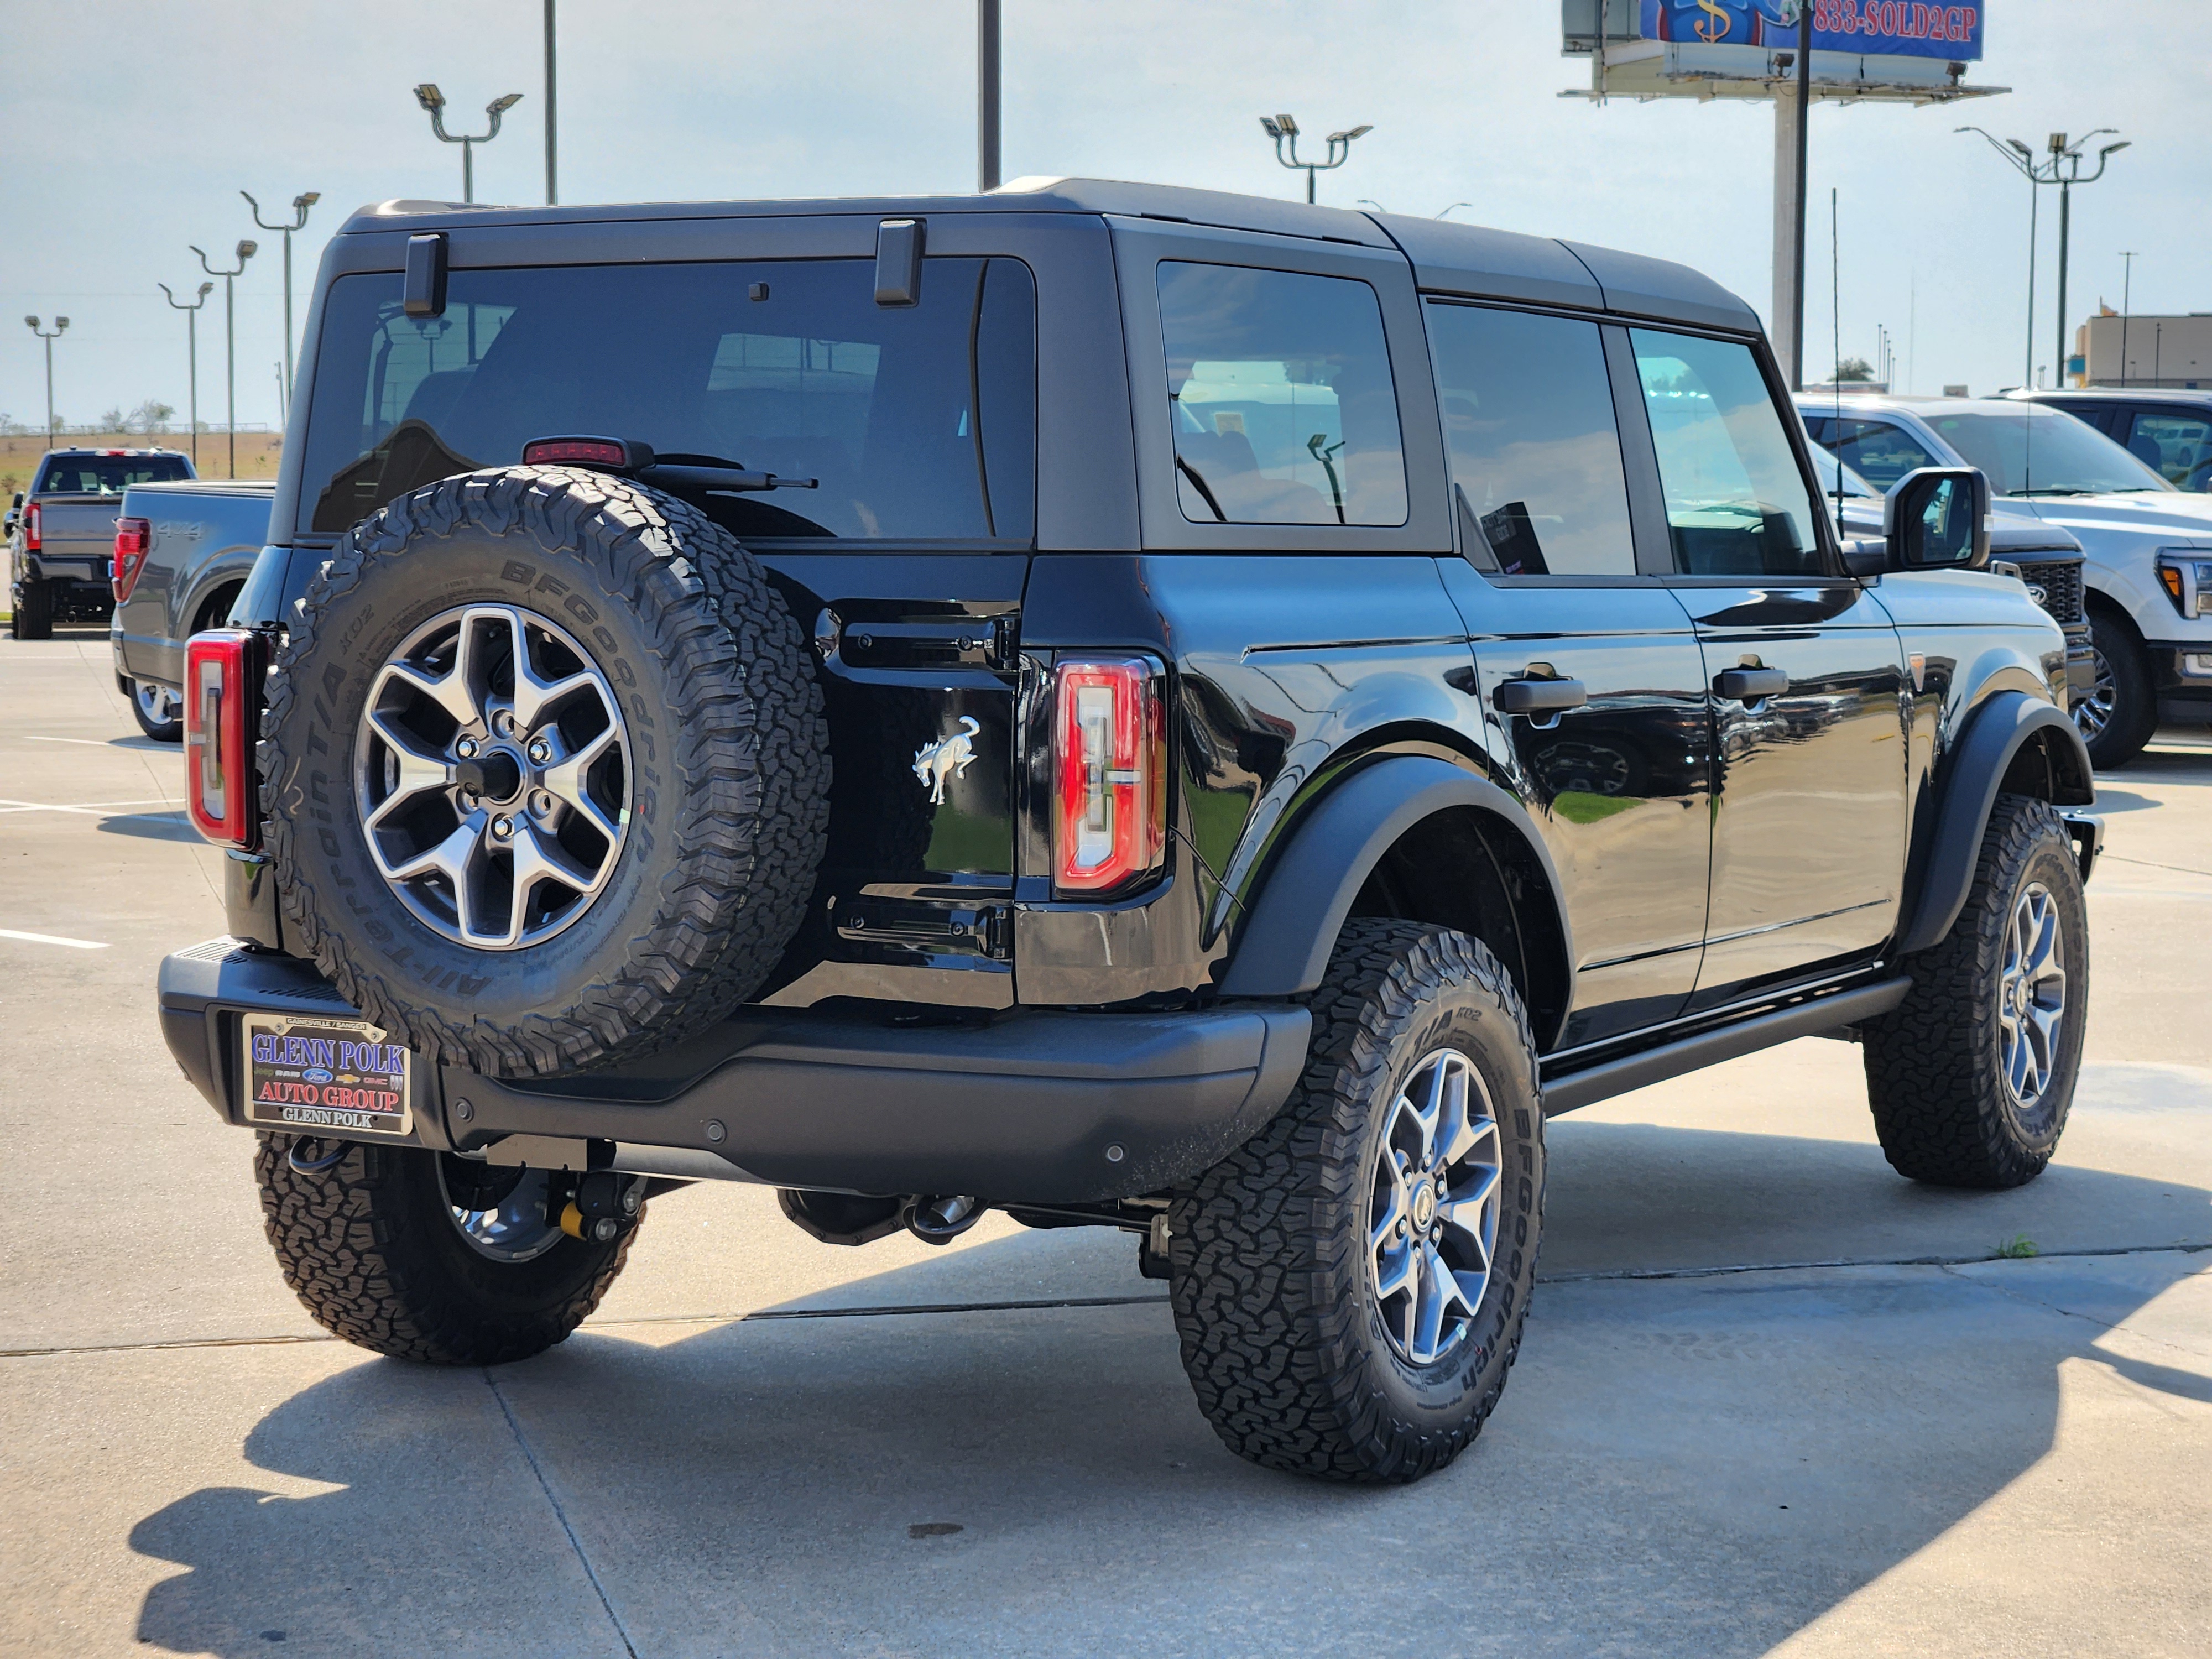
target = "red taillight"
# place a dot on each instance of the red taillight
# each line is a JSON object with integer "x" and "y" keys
{"x": 222, "y": 699}
{"x": 134, "y": 539}
{"x": 30, "y": 528}
{"x": 1109, "y": 768}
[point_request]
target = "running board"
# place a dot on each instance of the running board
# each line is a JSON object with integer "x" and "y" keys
{"x": 1609, "y": 1078}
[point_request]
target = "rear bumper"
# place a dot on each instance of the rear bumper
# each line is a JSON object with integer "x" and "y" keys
{"x": 1039, "y": 1105}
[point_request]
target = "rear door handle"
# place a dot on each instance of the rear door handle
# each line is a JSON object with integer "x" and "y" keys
{"x": 1751, "y": 684}
{"x": 1538, "y": 696}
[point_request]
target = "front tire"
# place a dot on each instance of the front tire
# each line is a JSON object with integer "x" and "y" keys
{"x": 1971, "y": 1076}
{"x": 2120, "y": 714}
{"x": 1350, "y": 1285}
{"x": 380, "y": 1253}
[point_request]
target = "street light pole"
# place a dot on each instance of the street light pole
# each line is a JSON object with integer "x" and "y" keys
{"x": 2127, "y": 295}
{"x": 2064, "y": 170}
{"x": 192, "y": 359}
{"x": 988, "y": 56}
{"x": 434, "y": 100}
{"x": 1283, "y": 130}
{"x": 61, "y": 324}
{"x": 300, "y": 203}
{"x": 245, "y": 250}
{"x": 552, "y": 117}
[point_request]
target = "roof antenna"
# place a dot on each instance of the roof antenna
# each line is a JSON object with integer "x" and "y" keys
{"x": 1836, "y": 332}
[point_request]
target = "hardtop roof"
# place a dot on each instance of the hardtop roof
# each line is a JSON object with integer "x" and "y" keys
{"x": 1447, "y": 256}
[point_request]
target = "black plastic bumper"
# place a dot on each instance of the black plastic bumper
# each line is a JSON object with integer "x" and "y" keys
{"x": 1041, "y": 1105}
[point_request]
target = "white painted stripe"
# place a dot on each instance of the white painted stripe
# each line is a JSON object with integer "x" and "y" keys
{"x": 50, "y": 938}
{"x": 95, "y": 807}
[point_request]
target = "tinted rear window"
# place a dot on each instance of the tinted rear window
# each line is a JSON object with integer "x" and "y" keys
{"x": 108, "y": 474}
{"x": 919, "y": 420}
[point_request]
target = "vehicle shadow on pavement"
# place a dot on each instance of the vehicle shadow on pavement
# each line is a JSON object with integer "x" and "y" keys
{"x": 1692, "y": 1464}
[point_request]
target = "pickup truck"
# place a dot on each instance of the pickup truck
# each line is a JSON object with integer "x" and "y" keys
{"x": 61, "y": 540}
{"x": 182, "y": 552}
{"x": 2149, "y": 545}
{"x": 1130, "y": 707}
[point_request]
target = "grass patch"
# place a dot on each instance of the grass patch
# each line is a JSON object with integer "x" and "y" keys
{"x": 2018, "y": 1248}
{"x": 1580, "y": 807}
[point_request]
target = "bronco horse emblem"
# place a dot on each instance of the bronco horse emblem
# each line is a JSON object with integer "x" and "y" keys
{"x": 948, "y": 757}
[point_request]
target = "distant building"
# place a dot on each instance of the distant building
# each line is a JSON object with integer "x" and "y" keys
{"x": 2159, "y": 350}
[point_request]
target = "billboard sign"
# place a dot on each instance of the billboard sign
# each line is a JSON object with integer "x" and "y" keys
{"x": 1900, "y": 28}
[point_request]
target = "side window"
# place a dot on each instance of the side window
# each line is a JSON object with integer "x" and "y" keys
{"x": 1535, "y": 457}
{"x": 1879, "y": 453}
{"x": 1736, "y": 503}
{"x": 1281, "y": 398}
{"x": 2176, "y": 444}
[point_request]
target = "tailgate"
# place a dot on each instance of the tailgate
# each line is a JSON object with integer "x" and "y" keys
{"x": 80, "y": 527}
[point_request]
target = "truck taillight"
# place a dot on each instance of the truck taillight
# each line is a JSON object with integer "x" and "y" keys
{"x": 30, "y": 528}
{"x": 134, "y": 539}
{"x": 222, "y": 701}
{"x": 1110, "y": 769}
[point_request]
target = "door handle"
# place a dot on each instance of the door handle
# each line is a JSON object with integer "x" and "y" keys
{"x": 1538, "y": 696}
{"x": 1751, "y": 684}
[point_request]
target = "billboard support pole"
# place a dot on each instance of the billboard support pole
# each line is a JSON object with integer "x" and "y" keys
{"x": 1792, "y": 111}
{"x": 1797, "y": 252}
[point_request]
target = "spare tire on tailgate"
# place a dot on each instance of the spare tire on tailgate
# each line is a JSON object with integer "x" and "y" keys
{"x": 545, "y": 774}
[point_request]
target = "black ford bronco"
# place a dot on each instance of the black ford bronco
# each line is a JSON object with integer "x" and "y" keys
{"x": 1126, "y": 705}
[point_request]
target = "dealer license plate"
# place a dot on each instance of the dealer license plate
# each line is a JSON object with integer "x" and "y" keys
{"x": 306, "y": 1072}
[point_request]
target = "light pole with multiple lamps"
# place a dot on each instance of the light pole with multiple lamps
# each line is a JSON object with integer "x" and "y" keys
{"x": 1283, "y": 130}
{"x": 300, "y": 203}
{"x": 2062, "y": 168}
{"x": 434, "y": 100}
{"x": 191, "y": 358}
{"x": 245, "y": 250}
{"x": 61, "y": 324}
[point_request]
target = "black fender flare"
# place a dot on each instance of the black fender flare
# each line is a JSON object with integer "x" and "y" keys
{"x": 1308, "y": 891}
{"x": 1996, "y": 732}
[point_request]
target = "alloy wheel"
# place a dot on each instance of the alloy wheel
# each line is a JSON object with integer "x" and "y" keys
{"x": 2094, "y": 713}
{"x": 1433, "y": 1206}
{"x": 492, "y": 775}
{"x": 2032, "y": 995}
{"x": 157, "y": 704}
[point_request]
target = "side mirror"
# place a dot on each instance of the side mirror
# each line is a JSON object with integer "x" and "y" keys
{"x": 1937, "y": 518}
{"x": 17, "y": 504}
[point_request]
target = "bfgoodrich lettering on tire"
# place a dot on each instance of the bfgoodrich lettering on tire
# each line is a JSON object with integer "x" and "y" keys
{"x": 1971, "y": 1076}
{"x": 1350, "y": 1285}
{"x": 545, "y": 771}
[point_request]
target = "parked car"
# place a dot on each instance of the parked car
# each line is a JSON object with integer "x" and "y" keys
{"x": 2149, "y": 545}
{"x": 181, "y": 553}
{"x": 2169, "y": 431}
{"x": 61, "y": 534}
{"x": 1081, "y": 702}
{"x": 2046, "y": 560}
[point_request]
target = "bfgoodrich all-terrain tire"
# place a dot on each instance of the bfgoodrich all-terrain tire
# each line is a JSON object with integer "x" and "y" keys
{"x": 545, "y": 771}
{"x": 1350, "y": 1285}
{"x": 373, "y": 1247}
{"x": 1971, "y": 1076}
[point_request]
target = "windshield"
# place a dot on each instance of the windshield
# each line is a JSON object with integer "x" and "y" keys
{"x": 2043, "y": 452}
{"x": 919, "y": 420}
{"x": 108, "y": 474}
{"x": 1826, "y": 467}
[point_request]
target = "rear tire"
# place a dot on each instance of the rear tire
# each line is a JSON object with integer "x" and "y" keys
{"x": 32, "y": 617}
{"x": 2120, "y": 714}
{"x": 372, "y": 1248}
{"x": 1298, "y": 1296}
{"x": 1970, "y": 1077}
{"x": 158, "y": 710}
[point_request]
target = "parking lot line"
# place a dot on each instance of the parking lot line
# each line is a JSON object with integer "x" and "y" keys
{"x": 141, "y": 745}
{"x": 87, "y": 806}
{"x": 54, "y": 938}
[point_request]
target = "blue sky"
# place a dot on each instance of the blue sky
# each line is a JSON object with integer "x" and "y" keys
{"x": 130, "y": 127}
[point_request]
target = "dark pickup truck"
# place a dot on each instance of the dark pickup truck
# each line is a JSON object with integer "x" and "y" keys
{"x": 1126, "y": 705}
{"x": 61, "y": 539}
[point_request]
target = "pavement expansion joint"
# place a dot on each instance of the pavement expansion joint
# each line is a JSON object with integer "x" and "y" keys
{"x": 528, "y": 1456}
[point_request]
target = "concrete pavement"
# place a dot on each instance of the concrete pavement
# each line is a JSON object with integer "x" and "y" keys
{"x": 1771, "y": 1398}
